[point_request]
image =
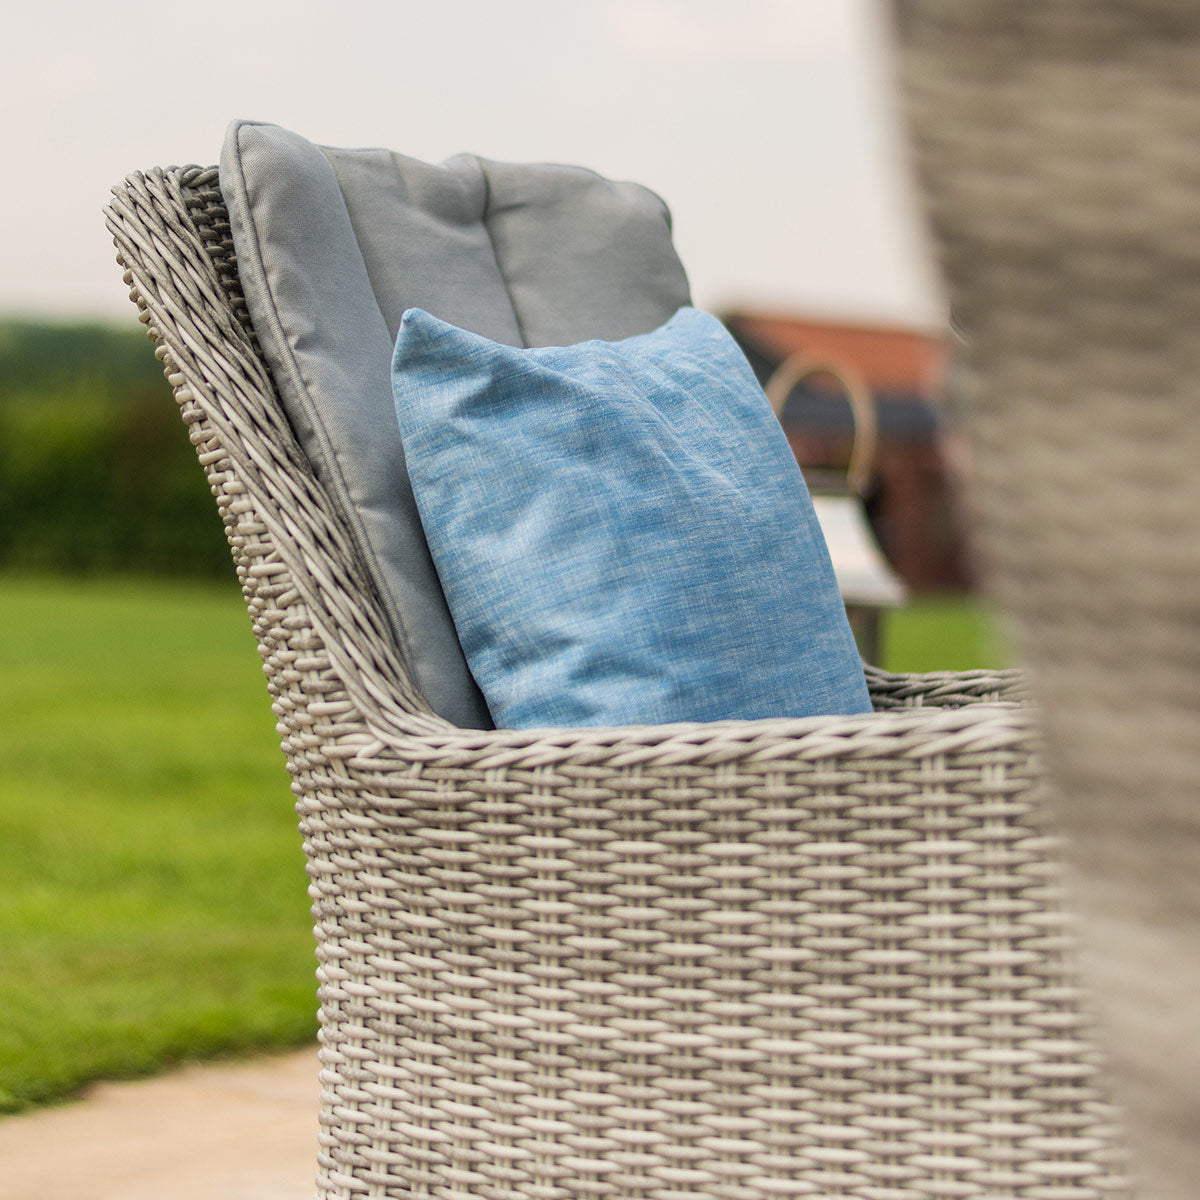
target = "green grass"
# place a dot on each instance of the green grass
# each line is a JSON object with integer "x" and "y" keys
{"x": 942, "y": 633}
{"x": 152, "y": 891}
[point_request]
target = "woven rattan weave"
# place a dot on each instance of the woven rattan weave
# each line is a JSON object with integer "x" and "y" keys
{"x": 821, "y": 957}
{"x": 1058, "y": 152}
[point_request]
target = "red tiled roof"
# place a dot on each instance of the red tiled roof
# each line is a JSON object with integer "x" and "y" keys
{"x": 891, "y": 359}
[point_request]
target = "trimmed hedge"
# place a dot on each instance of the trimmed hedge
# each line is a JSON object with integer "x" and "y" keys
{"x": 96, "y": 472}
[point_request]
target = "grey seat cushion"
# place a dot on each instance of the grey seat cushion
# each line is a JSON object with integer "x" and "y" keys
{"x": 334, "y": 245}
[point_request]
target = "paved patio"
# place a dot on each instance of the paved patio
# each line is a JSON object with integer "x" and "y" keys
{"x": 237, "y": 1131}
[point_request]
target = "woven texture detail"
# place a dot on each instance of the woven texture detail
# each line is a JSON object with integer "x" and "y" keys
{"x": 821, "y": 957}
{"x": 1057, "y": 145}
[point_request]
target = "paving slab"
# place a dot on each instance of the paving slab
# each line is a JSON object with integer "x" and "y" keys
{"x": 233, "y": 1131}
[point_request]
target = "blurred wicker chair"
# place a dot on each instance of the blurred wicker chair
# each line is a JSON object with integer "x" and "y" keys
{"x": 1057, "y": 148}
{"x": 818, "y": 957}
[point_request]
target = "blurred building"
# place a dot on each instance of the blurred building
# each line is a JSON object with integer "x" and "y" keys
{"x": 916, "y": 496}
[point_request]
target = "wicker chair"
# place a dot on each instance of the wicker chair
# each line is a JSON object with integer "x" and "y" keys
{"x": 1057, "y": 149}
{"x": 819, "y": 957}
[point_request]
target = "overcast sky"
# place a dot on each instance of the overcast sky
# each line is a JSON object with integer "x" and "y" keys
{"x": 768, "y": 126}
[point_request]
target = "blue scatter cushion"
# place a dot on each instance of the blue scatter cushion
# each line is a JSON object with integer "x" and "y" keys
{"x": 620, "y": 528}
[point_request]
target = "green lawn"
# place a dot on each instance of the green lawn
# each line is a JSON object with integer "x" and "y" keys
{"x": 152, "y": 890}
{"x": 942, "y": 634}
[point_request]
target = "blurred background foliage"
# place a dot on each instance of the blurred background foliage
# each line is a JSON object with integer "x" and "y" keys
{"x": 96, "y": 473}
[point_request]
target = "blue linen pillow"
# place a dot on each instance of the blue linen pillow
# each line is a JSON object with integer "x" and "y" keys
{"x": 620, "y": 528}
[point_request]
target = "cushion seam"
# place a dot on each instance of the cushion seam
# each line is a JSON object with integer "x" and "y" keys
{"x": 487, "y": 228}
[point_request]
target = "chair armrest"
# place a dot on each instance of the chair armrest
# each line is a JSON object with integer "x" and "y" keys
{"x": 946, "y": 689}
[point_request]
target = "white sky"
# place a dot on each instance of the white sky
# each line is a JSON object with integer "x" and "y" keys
{"x": 768, "y": 126}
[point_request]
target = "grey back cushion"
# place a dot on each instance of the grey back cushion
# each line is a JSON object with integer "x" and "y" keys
{"x": 334, "y": 245}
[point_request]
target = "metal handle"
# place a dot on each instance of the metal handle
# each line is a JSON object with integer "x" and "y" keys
{"x": 795, "y": 369}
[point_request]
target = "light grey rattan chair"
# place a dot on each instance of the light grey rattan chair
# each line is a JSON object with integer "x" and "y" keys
{"x": 819, "y": 957}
